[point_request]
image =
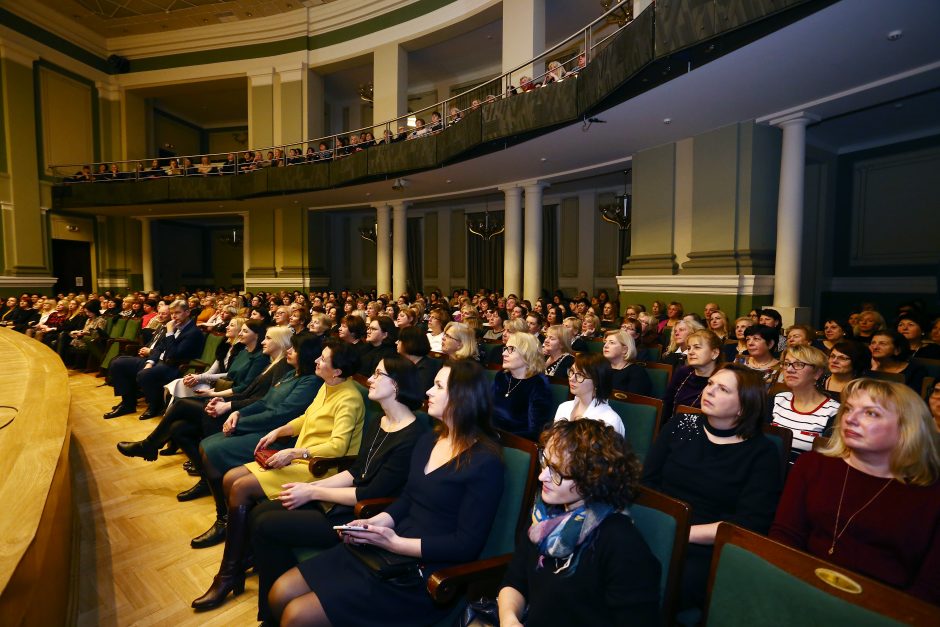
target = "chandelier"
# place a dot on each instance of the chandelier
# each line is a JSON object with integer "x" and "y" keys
{"x": 485, "y": 227}
{"x": 619, "y": 211}
{"x": 366, "y": 92}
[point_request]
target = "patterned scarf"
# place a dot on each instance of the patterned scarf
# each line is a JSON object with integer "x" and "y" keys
{"x": 561, "y": 534}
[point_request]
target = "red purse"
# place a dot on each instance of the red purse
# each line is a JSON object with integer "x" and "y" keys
{"x": 262, "y": 456}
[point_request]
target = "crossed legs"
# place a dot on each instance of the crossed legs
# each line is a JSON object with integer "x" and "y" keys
{"x": 294, "y": 603}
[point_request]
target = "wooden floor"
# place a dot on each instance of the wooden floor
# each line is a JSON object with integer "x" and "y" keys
{"x": 136, "y": 565}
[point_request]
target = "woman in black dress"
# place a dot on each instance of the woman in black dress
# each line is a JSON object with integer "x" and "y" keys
{"x": 721, "y": 464}
{"x": 304, "y": 513}
{"x": 442, "y": 518}
{"x": 522, "y": 400}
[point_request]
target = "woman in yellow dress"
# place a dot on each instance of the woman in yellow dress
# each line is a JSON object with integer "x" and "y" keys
{"x": 331, "y": 427}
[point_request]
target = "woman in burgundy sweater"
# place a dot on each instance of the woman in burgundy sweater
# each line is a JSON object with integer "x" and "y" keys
{"x": 870, "y": 501}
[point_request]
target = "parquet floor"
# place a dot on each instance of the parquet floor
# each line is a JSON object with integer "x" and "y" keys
{"x": 136, "y": 565}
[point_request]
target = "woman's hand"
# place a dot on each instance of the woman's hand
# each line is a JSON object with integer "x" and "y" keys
{"x": 269, "y": 439}
{"x": 190, "y": 380}
{"x": 376, "y": 535}
{"x": 297, "y": 494}
{"x": 282, "y": 458}
{"x": 230, "y": 423}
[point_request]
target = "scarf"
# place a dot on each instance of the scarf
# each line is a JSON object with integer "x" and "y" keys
{"x": 561, "y": 534}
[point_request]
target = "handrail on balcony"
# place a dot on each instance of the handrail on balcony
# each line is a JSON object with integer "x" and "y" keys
{"x": 334, "y": 151}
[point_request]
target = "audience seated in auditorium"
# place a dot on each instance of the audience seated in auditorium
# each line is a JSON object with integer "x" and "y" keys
{"x": 719, "y": 463}
{"x": 628, "y": 376}
{"x": 890, "y": 354}
{"x": 870, "y": 500}
{"x": 459, "y": 342}
{"x": 330, "y": 427}
{"x": 381, "y": 335}
{"x": 914, "y": 327}
{"x": 869, "y": 322}
{"x": 688, "y": 382}
{"x": 442, "y": 518}
{"x": 582, "y": 562}
{"x": 556, "y": 348}
{"x": 413, "y": 345}
{"x": 761, "y": 343}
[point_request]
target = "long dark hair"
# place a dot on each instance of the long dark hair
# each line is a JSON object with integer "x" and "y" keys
{"x": 307, "y": 353}
{"x": 469, "y": 408}
{"x": 259, "y": 328}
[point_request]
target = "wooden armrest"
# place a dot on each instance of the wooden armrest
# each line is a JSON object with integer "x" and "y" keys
{"x": 444, "y": 585}
{"x": 320, "y": 465}
{"x": 367, "y": 508}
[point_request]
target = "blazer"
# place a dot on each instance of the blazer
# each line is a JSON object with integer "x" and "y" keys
{"x": 184, "y": 346}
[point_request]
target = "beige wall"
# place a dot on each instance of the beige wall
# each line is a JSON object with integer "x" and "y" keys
{"x": 66, "y": 117}
{"x": 184, "y": 139}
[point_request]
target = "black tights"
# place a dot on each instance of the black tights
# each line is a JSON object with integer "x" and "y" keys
{"x": 275, "y": 532}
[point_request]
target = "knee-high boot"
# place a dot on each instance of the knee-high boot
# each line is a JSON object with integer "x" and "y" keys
{"x": 231, "y": 577}
{"x": 216, "y": 533}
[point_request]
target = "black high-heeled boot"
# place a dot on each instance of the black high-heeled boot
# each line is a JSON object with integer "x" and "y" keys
{"x": 216, "y": 533}
{"x": 231, "y": 576}
{"x": 143, "y": 449}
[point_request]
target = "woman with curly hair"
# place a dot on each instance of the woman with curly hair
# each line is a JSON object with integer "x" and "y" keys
{"x": 585, "y": 562}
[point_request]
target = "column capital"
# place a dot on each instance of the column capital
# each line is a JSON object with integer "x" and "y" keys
{"x": 290, "y": 72}
{"x": 801, "y": 118}
{"x": 260, "y": 76}
{"x": 108, "y": 90}
{"x": 534, "y": 184}
{"x": 17, "y": 54}
{"x": 380, "y": 206}
{"x": 400, "y": 204}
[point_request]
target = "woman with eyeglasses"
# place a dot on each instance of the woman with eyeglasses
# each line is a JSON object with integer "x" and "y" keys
{"x": 628, "y": 376}
{"x": 522, "y": 400}
{"x": 870, "y": 500}
{"x": 441, "y": 519}
{"x": 721, "y": 464}
{"x": 583, "y": 561}
{"x": 848, "y": 359}
{"x": 804, "y": 410}
{"x": 437, "y": 320}
{"x": 331, "y": 426}
{"x": 303, "y": 514}
{"x": 590, "y": 382}
{"x": 459, "y": 341}
{"x": 381, "y": 335}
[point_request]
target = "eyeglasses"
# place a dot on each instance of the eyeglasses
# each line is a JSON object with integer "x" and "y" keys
{"x": 451, "y": 337}
{"x": 378, "y": 373}
{"x": 577, "y": 376}
{"x": 509, "y": 350}
{"x": 553, "y": 472}
{"x": 796, "y": 365}
{"x": 839, "y": 358}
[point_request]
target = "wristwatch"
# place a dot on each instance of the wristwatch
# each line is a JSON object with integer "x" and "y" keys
{"x": 305, "y": 454}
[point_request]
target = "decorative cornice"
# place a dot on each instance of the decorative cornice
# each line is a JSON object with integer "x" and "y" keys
{"x": 17, "y": 53}
{"x": 274, "y": 282}
{"x": 261, "y": 77}
{"x": 28, "y": 281}
{"x": 741, "y": 284}
{"x": 290, "y": 73}
{"x": 108, "y": 91}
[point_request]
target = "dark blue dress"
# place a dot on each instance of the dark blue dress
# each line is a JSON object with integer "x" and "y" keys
{"x": 451, "y": 509}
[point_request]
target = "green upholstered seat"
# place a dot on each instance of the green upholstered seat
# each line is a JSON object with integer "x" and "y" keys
{"x": 560, "y": 394}
{"x": 208, "y": 353}
{"x": 660, "y": 379}
{"x": 639, "y": 421}
{"x": 595, "y": 346}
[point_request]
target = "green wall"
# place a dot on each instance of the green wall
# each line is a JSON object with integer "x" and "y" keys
{"x": 732, "y": 305}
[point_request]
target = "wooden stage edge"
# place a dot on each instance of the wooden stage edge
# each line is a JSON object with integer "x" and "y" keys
{"x": 37, "y": 522}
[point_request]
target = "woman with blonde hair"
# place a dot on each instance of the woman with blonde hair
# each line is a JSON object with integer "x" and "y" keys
{"x": 590, "y": 326}
{"x": 678, "y": 342}
{"x": 573, "y": 324}
{"x": 459, "y": 341}
{"x": 803, "y": 409}
{"x": 522, "y": 399}
{"x": 628, "y": 376}
{"x": 557, "y": 351}
{"x": 869, "y": 323}
{"x": 870, "y": 500}
{"x": 718, "y": 324}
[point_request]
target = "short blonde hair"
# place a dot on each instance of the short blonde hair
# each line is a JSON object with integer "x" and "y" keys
{"x": 528, "y": 348}
{"x": 808, "y": 355}
{"x": 280, "y": 336}
{"x": 693, "y": 327}
{"x": 467, "y": 338}
{"x": 562, "y": 334}
{"x": 592, "y": 318}
{"x": 516, "y": 325}
{"x": 574, "y": 321}
{"x": 625, "y": 340}
{"x": 916, "y": 457}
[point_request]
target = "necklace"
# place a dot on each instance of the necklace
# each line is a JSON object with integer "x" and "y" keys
{"x": 835, "y": 531}
{"x": 511, "y": 387}
{"x": 370, "y": 454}
{"x": 681, "y": 385}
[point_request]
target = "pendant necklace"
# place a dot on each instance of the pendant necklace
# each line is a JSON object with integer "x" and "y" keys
{"x": 836, "y": 534}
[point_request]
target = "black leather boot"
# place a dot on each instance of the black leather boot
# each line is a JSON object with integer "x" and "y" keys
{"x": 231, "y": 577}
{"x": 216, "y": 533}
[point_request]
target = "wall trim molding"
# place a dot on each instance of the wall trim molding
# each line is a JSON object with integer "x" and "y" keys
{"x": 293, "y": 282}
{"x": 27, "y": 281}
{"x": 884, "y": 284}
{"x": 732, "y": 284}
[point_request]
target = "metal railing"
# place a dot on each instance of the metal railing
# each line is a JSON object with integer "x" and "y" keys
{"x": 587, "y": 41}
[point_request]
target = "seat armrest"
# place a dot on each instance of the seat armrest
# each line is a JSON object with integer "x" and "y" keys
{"x": 367, "y": 508}
{"x": 445, "y": 584}
{"x": 130, "y": 348}
{"x": 320, "y": 465}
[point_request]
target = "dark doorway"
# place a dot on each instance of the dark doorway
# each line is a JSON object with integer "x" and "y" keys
{"x": 71, "y": 264}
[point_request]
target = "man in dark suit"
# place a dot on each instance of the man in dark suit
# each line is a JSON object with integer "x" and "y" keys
{"x": 156, "y": 365}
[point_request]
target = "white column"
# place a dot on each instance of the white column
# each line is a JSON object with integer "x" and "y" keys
{"x": 399, "y": 248}
{"x": 532, "y": 257}
{"x": 789, "y": 258}
{"x": 512, "y": 241}
{"x": 383, "y": 260}
{"x": 146, "y": 254}
{"x": 523, "y": 36}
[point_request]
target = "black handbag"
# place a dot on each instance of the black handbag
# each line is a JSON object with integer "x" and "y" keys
{"x": 386, "y": 565}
